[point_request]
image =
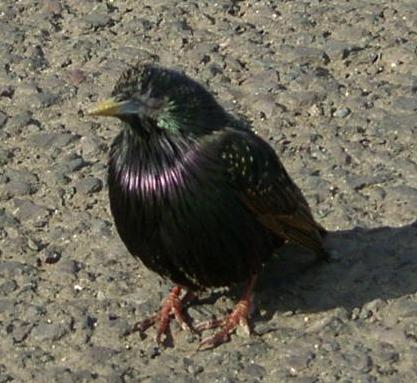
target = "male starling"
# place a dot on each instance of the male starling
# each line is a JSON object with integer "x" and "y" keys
{"x": 195, "y": 194}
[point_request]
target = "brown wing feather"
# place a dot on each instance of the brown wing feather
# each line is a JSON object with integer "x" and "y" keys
{"x": 266, "y": 189}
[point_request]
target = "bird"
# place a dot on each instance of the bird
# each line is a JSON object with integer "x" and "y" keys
{"x": 197, "y": 195}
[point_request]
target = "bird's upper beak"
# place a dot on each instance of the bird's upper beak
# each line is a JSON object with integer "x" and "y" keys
{"x": 112, "y": 107}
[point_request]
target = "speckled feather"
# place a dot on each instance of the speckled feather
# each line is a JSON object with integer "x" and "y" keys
{"x": 197, "y": 197}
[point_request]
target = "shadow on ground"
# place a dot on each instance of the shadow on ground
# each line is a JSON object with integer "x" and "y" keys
{"x": 367, "y": 264}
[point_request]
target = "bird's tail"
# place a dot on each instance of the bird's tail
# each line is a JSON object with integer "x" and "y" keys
{"x": 301, "y": 228}
{"x": 311, "y": 238}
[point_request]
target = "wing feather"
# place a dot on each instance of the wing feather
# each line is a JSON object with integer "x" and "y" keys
{"x": 266, "y": 189}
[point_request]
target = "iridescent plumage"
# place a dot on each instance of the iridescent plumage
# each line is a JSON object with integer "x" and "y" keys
{"x": 198, "y": 197}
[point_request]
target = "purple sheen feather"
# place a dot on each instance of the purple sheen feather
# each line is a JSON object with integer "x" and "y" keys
{"x": 161, "y": 179}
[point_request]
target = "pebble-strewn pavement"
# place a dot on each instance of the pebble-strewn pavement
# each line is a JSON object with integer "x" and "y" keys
{"x": 331, "y": 84}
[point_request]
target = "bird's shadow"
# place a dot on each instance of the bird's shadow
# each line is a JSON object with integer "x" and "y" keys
{"x": 366, "y": 264}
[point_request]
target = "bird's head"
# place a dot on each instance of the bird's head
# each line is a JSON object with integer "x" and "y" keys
{"x": 154, "y": 100}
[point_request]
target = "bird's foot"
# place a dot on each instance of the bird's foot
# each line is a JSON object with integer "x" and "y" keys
{"x": 171, "y": 308}
{"x": 238, "y": 317}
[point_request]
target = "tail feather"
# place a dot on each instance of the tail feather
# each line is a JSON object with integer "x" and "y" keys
{"x": 304, "y": 230}
{"x": 311, "y": 240}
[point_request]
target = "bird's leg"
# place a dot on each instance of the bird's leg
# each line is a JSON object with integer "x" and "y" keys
{"x": 239, "y": 316}
{"x": 171, "y": 308}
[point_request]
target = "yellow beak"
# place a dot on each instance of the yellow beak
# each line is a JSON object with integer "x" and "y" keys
{"x": 109, "y": 107}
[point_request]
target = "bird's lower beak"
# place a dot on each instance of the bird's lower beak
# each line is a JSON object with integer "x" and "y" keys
{"x": 111, "y": 107}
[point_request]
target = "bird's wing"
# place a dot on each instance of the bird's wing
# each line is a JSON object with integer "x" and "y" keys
{"x": 265, "y": 188}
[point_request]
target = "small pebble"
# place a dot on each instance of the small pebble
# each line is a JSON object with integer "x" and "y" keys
{"x": 342, "y": 112}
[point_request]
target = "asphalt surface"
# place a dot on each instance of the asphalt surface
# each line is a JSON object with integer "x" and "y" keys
{"x": 331, "y": 85}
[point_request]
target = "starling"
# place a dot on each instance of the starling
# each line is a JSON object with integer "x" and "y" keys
{"x": 196, "y": 195}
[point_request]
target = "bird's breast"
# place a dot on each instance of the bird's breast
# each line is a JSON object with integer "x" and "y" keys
{"x": 147, "y": 183}
{"x": 149, "y": 192}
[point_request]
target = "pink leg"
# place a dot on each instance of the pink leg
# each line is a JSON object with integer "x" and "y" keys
{"x": 171, "y": 308}
{"x": 239, "y": 316}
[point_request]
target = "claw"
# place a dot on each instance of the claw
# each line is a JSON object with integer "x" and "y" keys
{"x": 171, "y": 308}
{"x": 239, "y": 316}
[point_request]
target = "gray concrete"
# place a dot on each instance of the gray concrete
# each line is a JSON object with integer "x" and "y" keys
{"x": 331, "y": 84}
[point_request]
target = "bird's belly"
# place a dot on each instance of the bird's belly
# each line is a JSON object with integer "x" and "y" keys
{"x": 196, "y": 237}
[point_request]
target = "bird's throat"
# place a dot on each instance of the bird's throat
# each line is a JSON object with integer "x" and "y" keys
{"x": 154, "y": 166}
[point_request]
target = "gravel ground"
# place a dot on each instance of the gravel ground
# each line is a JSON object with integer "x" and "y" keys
{"x": 331, "y": 85}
